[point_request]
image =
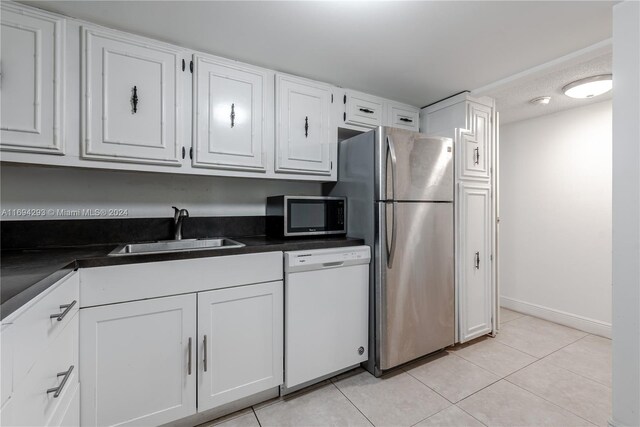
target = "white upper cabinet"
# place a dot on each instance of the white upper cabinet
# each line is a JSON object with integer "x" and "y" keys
{"x": 474, "y": 144}
{"x": 305, "y": 142}
{"x": 131, "y": 98}
{"x": 362, "y": 109}
{"x": 230, "y": 100}
{"x": 402, "y": 116}
{"x": 31, "y": 81}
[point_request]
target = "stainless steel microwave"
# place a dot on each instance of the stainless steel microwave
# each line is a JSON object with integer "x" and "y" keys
{"x": 289, "y": 216}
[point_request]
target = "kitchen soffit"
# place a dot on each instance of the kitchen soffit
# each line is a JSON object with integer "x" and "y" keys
{"x": 415, "y": 52}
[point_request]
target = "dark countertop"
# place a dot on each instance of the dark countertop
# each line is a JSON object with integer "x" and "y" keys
{"x": 26, "y": 273}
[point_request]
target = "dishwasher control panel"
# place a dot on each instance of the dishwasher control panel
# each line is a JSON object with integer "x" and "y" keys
{"x": 326, "y": 258}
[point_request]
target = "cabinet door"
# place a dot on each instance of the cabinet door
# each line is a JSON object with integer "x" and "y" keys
{"x": 475, "y": 302}
{"x": 474, "y": 144}
{"x": 240, "y": 346}
{"x": 402, "y": 116}
{"x": 229, "y": 103}
{"x": 362, "y": 110}
{"x": 131, "y": 100}
{"x": 32, "y": 81}
{"x": 304, "y": 143}
{"x": 137, "y": 362}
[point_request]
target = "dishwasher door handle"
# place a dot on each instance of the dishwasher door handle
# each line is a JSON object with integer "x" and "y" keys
{"x": 332, "y": 264}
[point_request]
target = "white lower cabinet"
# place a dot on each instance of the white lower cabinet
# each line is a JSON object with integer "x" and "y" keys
{"x": 475, "y": 293}
{"x": 138, "y": 362}
{"x": 154, "y": 361}
{"x": 240, "y": 346}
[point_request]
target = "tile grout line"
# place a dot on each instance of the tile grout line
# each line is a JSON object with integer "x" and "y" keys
{"x": 256, "y": 415}
{"x": 349, "y": 400}
{"x": 462, "y": 409}
{"x": 577, "y": 373}
{"x": 548, "y": 401}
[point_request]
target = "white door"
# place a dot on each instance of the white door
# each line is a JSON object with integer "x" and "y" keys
{"x": 474, "y": 145}
{"x": 304, "y": 143}
{"x": 31, "y": 81}
{"x": 239, "y": 342}
{"x": 475, "y": 296}
{"x": 229, "y": 102}
{"x": 137, "y": 362}
{"x": 132, "y": 99}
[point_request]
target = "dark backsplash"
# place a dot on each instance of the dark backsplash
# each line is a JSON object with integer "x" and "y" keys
{"x": 79, "y": 232}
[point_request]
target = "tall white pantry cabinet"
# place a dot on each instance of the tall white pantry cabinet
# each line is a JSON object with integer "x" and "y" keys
{"x": 473, "y": 124}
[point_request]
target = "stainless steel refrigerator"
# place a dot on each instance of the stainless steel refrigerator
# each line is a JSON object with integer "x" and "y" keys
{"x": 399, "y": 189}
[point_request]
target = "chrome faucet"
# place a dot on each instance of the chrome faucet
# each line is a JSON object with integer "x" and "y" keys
{"x": 178, "y": 217}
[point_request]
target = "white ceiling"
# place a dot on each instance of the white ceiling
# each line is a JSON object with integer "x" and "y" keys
{"x": 415, "y": 52}
{"x": 512, "y": 98}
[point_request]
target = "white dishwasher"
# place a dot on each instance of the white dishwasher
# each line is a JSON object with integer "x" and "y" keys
{"x": 326, "y": 312}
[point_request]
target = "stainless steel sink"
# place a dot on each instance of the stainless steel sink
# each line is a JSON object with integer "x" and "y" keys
{"x": 162, "y": 246}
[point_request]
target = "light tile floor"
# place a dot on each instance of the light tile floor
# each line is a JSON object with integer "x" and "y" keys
{"x": 534, "y": 373}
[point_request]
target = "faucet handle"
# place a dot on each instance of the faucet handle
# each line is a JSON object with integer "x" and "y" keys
{"x": 176, "y": 213}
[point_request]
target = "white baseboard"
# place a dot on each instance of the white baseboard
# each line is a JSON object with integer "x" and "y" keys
{"x": 585, "y": 324}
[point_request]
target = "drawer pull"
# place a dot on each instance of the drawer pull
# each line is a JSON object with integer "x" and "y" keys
{"x": 367, "y": 110}
{"x": 57, "y": 390}
{"x": 204, "y": 350}
{"x": 189, "y": 364}
{"x": 67, "y": 308}
{"x": 406, "y": 119}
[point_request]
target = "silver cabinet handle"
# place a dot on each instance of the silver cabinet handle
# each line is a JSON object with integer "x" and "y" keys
{"x": 57, "y": 390}
{"x": 476, "y": 156}
{"x": 367, "y": 110}
{"x": 67, "y": 308}
{"x": 189, "y": 355}
{"x": 477, "y": 260}
{"x": 233, "y": 115}
{"x": 392, "y": 249}
{"x": 205, "y": 353}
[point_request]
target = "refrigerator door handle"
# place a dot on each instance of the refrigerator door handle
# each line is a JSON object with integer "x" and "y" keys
{"x": 392, "y": 250}
{"x": 392, "y": 153}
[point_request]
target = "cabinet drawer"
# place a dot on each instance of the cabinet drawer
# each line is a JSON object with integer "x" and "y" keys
{"x": 120, "y": 283}
{"x": 34, "y": 329}
{"x": 7, "y": 343}
{"x": 403, "y": 117}
{"x": 362, "y": 110}
{"x": 32, "y": 405}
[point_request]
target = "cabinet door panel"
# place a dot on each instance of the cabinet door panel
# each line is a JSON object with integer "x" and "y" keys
{"x": 363, "y": 110}
{"x": 229, "y": 116}
{"x": 243, "y": 327}
{"x": 131, "y": 89}
{"x": 135, "y": 362}
{"x": 303, "y": 140}
{"x": 403, "y": 117}
{"x": 475, "y": 302}
{"x": 32, "y": 78}
{"x": 474, "y": 144}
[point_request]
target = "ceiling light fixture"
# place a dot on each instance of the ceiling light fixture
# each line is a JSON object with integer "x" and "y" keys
{"x": 541, "y": 100}
{"x": 589, "y": 87}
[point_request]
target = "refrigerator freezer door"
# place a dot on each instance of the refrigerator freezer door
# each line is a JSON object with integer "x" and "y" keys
{"x": 414, "y": 292}
{"x": 413, "y": 167}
